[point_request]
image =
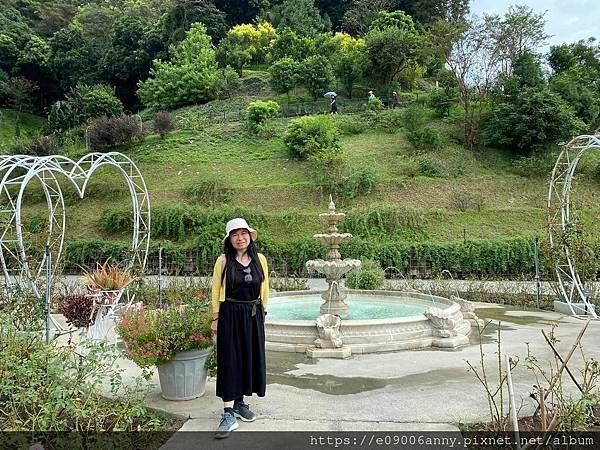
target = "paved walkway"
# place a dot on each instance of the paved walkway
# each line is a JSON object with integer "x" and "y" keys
{"x": 416, "y": 390}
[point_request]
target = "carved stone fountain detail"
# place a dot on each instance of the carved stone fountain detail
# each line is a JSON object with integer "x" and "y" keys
{"x": 334, "y": 267}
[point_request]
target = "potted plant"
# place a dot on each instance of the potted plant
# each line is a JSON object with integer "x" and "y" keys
{"x": 108, "y": 280}
{"x": 176, "y": 339}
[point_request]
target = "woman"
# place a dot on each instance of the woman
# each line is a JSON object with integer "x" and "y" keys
{"x": 333, "y": 105}
{"x": 240, "y": 292}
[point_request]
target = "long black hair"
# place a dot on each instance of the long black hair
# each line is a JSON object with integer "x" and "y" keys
{"x": 230, "y": 254}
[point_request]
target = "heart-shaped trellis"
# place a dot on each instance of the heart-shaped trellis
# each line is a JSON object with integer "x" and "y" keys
{"x": 18, "y": 170}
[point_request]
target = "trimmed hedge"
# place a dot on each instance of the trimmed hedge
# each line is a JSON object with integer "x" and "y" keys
{"x": 479, "y": 258}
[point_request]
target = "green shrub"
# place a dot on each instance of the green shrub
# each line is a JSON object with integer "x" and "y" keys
{"x": 536, "y": 165}
{"x": 83, "y": 102}
{"x": 360, "y": 182}
{"x": 442, "y": 101}
{"x": 350, "y": 124}
{"x": 208, "y": 192}
{"x": 368, "y": 277}
{"x": 52, "y": 388}
{"x": 419, "y": 131}
{"x": 310, "y": 135}
{"x": 259, "y": 112}
{"x": 429, "y": 168}
{"x": 374, "y": 104}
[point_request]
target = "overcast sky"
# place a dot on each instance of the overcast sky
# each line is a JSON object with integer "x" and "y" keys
{"x": 566, "y": 20}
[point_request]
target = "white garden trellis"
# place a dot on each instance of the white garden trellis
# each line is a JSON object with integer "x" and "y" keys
{"x": 560, "y": 223}
{"x": 17, "y": 171}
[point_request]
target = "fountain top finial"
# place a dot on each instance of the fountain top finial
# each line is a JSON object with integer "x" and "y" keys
{"x": 331, "y": 204}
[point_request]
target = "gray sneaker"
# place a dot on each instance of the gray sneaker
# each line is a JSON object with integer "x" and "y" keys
{"x": 227, "y": 425}
{"x": 242, "y": 410}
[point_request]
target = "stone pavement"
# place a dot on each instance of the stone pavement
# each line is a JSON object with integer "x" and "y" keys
{"x": 412, "y": 390}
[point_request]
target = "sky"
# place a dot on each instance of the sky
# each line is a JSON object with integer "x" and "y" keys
{"x": 566, "y": 20}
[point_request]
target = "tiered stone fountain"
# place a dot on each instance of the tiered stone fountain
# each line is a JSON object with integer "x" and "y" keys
{"x": 334, "y": 267}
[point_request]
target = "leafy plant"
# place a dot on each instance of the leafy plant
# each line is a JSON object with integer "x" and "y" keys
{"x": 368, "y": 277}
{"x": 258, "y": 112}
{"x": 108, "y": 277}
{"x": 51, "y": 388}
{"x": 310, "y": 135}
{"x": 79, "y": 310}
{"x": 153, "y": 336}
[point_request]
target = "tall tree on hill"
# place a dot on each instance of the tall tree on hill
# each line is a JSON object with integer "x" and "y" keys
{"x": 302, "y": 17}
{"x": 361, "y": 13}
{"x": 427, "y": 12}
{"x": 393, "y": 44}
{"x": 520, "y": 30}
{"x": 181, "y": 14}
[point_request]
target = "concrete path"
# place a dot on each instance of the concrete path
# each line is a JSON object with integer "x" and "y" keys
{"x": 413, "y": 390}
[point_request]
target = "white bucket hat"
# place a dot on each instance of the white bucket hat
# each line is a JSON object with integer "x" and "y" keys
{"x": 237, "y": 223}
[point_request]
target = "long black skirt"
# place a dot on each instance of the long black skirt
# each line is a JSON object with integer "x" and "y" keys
{"x": 241, "y": 367}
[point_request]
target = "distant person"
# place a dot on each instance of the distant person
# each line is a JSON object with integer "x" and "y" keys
{"x": 371, "y": 96}
{"x": 333, "y": 105}
{"x": 395, "y": 100}
{"x": 240, "y": 292}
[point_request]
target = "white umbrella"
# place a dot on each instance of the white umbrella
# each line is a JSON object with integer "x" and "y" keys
{"x": 330, "y": 94}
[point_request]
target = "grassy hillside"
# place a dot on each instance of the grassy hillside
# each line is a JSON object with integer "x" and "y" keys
{"x": 30, "y": 125}
{"x": 487, "y": 194}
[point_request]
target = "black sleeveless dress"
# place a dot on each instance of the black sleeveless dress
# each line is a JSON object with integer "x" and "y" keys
{"x": 241, "y": 367}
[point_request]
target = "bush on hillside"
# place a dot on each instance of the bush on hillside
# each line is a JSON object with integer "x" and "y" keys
{"x": 163, "y": 123}
{"x": 368, "y": 277}
{"x": 258, "y": 112}
{"x": 310, "y": 135}
{"x": 82, "y": 103}
{"x": 110, "y": 131}
{"x": 40, "y": 146}
{"x": 419, "y": 131}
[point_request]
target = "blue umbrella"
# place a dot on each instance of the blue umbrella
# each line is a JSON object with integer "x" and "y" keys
{"x": 330, "y": 94}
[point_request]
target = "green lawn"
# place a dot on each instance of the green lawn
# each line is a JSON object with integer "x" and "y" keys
{"x": 30, "y": 125}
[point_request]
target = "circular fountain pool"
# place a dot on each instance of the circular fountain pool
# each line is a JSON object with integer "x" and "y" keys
{"x": 380, "y": 321}
{"x": 364, "y": 307}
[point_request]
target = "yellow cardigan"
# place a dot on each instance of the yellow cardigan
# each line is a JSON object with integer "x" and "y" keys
{"x": 218, "y": 288}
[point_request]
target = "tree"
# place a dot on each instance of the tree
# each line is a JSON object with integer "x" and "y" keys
{"x": 8, "y": 52}
{"x": 255, "y": 40}
{"x": 233, "y": 51}
{"x": 391, "y": 49}
{"x": 350, "y": 61}
{"x": 190, "y": 76}
{"x": 241, "y": 11}
{"x": 301, "y": 16}
{"x": 284, "y": 75}
{"x": 358, "y": 17}
{"x": 289, "y": 44}
{"x": 470, "y": 54}
{"x": 228, "y": 82}
{"x": 427, "y": 12}
{"x": 316, "y": 75}
{"x": 535, "y": 120}
{"x": 183, "y": 13}
{"x": 520, "y": 30}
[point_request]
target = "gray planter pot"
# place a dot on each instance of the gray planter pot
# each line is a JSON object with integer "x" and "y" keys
{"x": 184, "y": 377}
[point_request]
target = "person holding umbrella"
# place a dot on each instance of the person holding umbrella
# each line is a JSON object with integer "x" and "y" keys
{"x": 332, "y": 102}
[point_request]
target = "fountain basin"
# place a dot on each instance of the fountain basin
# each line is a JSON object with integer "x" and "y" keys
{"x": 429, "y": 321}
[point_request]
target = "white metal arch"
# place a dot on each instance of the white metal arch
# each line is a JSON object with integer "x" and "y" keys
{"x": 17, "y": 171}
{"x": 559, "y": 222}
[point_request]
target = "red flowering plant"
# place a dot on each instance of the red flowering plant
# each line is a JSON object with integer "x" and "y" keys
{"x": 152, "y": 336}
